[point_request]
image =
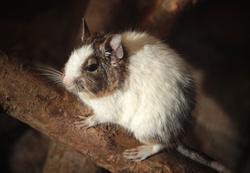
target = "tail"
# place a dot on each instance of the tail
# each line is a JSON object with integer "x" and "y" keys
{"x": 202, "y": 159}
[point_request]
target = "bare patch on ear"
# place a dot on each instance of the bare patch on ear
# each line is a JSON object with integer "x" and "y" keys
{"x": 112, "y": 48}
{"x": 116, "y": 44}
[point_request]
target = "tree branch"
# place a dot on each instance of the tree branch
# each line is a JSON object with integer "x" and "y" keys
{"x": 52, "y": 111}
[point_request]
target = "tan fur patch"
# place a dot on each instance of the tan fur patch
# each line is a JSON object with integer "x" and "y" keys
{"x": 134, "y": 45}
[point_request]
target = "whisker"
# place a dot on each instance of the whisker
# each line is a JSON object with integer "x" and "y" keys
{"x": 52, "y": 74}
{"x": 91, "y": 80}
{"x": 50, "y": 70}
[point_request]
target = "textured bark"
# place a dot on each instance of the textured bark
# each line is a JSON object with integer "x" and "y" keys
{"x": 53, "y": 111}
{"x": 64, "y": 160}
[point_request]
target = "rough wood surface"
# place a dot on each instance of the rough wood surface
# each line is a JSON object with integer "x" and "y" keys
{"x": 53, "y": 111}
{"x": 64, "y": 160}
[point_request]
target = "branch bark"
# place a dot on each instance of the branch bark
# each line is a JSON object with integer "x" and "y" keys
{"x": 52, "y": 111}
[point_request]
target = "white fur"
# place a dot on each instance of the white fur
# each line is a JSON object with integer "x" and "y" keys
{"x": 75, "y": 62}
{"x": 150, "y": 93}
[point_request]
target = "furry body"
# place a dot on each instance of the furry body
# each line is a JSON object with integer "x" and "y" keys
{"x": 151, "y": 101}
{"x": 156, "y": 98}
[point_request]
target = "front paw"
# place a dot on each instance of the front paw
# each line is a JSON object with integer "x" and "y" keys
{"x": 137, "y": 154}
{"x": 86, "y": 122}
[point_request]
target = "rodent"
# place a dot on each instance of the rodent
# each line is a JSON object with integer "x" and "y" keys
{"x": 134, "y": 80}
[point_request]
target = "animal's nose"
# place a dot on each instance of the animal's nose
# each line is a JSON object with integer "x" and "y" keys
{"x": 69, "y": 83}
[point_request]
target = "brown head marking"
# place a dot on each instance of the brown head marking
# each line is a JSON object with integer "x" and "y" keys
{"x": 105, "y": 71}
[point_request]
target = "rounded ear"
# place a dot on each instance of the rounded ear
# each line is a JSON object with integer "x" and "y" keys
{"x": 115, "y": 43}
{"x": 85, "y": 30}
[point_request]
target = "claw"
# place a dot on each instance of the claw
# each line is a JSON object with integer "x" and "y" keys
{"x": 82, "y": 117}
{"x": 142, "y": 152}
{"x": 86, "y": 122}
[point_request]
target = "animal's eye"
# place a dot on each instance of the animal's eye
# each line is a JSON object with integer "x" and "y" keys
{"x": 91, "y": 67}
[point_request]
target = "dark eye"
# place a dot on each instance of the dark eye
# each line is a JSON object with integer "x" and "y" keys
{"x": 91, "y": 67}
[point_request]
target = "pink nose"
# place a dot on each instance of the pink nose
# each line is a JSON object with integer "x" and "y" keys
{"x": 68, "y": 83}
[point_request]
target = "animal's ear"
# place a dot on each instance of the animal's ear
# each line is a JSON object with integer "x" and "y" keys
{"x": 85, "y": 30}
{"x": 114, "y": 49}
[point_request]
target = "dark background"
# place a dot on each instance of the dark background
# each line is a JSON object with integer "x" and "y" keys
{"x": 213, "y": 36}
